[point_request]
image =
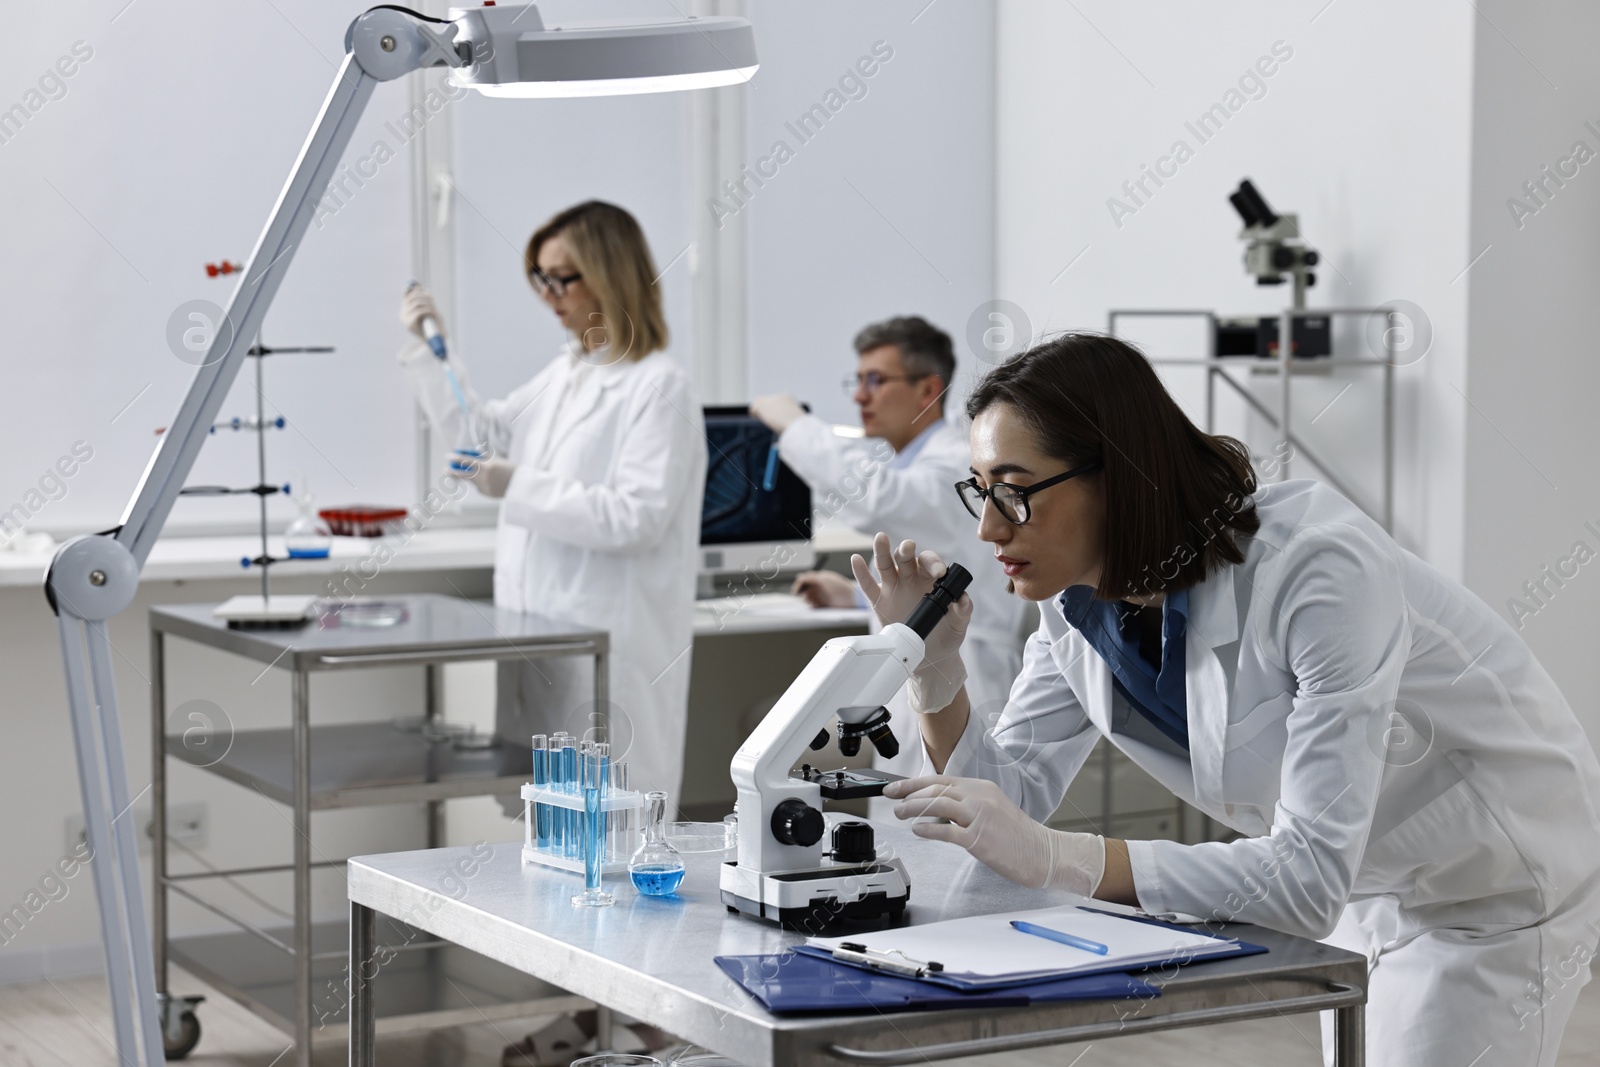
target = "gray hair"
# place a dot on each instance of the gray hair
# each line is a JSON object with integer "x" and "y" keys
{"x": 924, "y": 348}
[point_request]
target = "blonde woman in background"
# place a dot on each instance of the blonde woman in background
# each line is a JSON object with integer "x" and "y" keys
{"x": 599, "y": 464}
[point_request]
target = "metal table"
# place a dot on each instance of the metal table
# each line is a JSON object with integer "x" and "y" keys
{"x": 652, "y": 958}
{"x": 272, "y": 971}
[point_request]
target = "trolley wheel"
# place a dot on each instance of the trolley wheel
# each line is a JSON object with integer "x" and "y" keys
{"x": 190, "y": 1038}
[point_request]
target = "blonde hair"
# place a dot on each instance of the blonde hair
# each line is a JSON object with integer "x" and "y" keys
{"x": 610, "y": 251}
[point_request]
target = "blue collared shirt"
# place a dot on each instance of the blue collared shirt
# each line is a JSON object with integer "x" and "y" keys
{"x": 1112, "y": 629}
{"x": 907, "y": 455}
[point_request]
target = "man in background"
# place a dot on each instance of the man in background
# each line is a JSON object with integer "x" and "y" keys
{"x": 903, "y": 371}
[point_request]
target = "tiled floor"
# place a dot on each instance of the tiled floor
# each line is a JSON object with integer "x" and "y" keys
{"x": 68, "y": 1023}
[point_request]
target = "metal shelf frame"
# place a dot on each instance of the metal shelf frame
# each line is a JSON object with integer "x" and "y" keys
{"x": 1285, "y": 366}
{"x": 398, "y": 768}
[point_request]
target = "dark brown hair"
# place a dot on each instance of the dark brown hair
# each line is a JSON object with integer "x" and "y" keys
{"x": 1176, "y": 498}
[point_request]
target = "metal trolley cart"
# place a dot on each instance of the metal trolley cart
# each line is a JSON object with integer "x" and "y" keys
{"x": 277, "y": 972}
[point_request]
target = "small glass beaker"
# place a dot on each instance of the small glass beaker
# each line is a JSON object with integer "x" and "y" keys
{"x": 307, "y": 537}
{"x": 592, "y": 822}
{"x": 656, "y": 869}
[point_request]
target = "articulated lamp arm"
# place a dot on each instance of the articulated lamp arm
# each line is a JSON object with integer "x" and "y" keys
{"x": 93, "y": 578}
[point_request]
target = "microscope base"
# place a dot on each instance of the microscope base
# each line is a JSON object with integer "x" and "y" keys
{"x": 815, "y": 900}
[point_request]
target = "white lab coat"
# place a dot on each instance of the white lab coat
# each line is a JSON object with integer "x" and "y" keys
{"x": 1411, "y": 783}
{"x": 861, "y": 483}
{"x": 600, "y": 526}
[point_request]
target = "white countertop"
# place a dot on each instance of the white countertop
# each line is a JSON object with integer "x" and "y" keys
{"x": 459, "y": 548}
{"x": 194, "y": 558}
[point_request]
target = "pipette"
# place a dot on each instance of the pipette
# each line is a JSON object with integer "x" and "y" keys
{"x": 435, "y": 339}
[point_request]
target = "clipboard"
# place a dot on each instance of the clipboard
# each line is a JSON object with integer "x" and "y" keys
{"x": 984, "y": 952}
{"x": 795, "y": 983}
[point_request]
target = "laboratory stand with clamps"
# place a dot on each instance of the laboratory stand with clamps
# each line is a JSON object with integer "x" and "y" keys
{"x": 293, "y": 977}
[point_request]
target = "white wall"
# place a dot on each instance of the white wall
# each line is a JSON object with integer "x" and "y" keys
{"x": 1363, "y": 130}
{"x": 886, "y": 211}
{"x": 1532, "y": 436}
{"x": 166, "y": 152}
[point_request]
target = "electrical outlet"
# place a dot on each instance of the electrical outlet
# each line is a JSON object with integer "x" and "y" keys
{"x": 188, "y": 824}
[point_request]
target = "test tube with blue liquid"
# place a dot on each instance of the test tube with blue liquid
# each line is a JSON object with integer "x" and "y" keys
{"x": 593, "y": 786}
{"x": 558, "y": 783}
{"x": 541, "y": 780}
{"x": 571, "y": 843}
{"x": 603, "y": 750}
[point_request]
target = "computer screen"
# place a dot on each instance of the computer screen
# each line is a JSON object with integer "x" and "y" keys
{"x": 751, "y": 495}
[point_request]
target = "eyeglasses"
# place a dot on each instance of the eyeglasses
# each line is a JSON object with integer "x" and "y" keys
{"x": 1011, "y": 501}
{"x": 872, "y": 381}
{"x": 555, "y": 286}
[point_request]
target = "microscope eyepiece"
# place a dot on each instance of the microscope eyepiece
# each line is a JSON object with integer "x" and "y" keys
{"x": 1251, "y": 205}
{"x": 946, "y": 591}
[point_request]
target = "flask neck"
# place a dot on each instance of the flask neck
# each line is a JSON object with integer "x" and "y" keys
{"x": 655, "y": 817}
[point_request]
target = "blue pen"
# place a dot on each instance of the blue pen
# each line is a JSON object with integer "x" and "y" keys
{"x": 769, "y": 480}
{"x": 1056, "y": 935}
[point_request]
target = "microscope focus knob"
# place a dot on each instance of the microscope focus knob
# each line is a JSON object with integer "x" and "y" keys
{"x": 853, "y": 843}
{"x": 794, "y": 822}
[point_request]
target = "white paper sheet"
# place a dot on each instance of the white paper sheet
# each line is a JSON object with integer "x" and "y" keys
{"x": 987, "y": 946}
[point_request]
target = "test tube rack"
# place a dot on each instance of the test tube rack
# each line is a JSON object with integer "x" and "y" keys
{"x": 614, "y": 800}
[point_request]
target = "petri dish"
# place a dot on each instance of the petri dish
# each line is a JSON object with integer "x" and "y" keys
{"x": 689, "y": 837}
{"x": 695, "y": 1056}
{"x": 363, "y": 614}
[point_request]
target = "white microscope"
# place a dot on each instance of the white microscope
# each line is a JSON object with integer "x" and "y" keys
{"x": 783, "y": 873}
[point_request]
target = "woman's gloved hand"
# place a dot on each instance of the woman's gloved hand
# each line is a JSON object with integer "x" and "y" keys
{"x": 491, "y": 476}
{"x": 985, "y": 822}
{"x": 904, "y": 578}
{"x": 416, "y": 305}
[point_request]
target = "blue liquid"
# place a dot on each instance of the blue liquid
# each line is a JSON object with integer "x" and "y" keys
{"x": 541, "y": 812}
{"x": 571, "y": 842}
{"x": 656, "y": 879}
{"x": 308, "y": 553}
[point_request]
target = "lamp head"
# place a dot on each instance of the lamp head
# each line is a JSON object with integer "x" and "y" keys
{"x": 514, "y": 54}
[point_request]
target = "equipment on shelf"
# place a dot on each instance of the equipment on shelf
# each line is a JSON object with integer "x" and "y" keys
{"x": 1274, "y": 247}
{"x": 1257, "y": 336}
{"x": 782, "y": 872}
{"x": 261, "y": 610}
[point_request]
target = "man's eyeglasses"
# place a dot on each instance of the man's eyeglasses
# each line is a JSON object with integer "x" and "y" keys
{"x": 872, "y": 381}
{"x": 556, "y": 286}
{"x": 1011, "y": 501}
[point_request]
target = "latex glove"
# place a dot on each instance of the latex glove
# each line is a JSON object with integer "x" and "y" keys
{"x": 778, "y": 411}
{"x": 491, "y": 477}
{"x": 825, "y": 589}
{"x": 985, "y": 822}
{"x": 904, "y": 578}
{"x": 416, "y": 305}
